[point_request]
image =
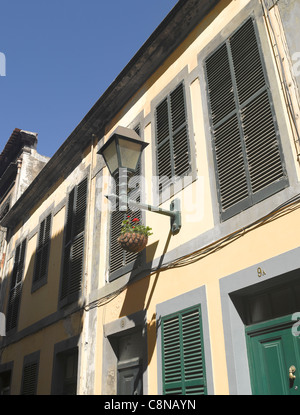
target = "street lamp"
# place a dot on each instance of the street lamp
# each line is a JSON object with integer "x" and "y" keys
{"x": 122, "y": 153}
{"x": 122, "y": 150}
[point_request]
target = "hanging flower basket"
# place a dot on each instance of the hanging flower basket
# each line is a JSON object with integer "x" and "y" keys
{"x": 134, "y": 236}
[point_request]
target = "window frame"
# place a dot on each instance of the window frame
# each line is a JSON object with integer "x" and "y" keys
{"x": 184, "y": 384}
{"x": 6, "y": 368}
{"x": 170, "y": 136}
{"x": 130, "y": 261}
{"x": 188, "y": 300}
{"x": 29, "y": 360}
{"x": 62, "y": 349}
{"x": 68, "y": 298}
{"x": 185, "y": 78}
{"x": 38, "y": 282}
{"x": 17, "y": 282}
{"x": 274, "y": 187}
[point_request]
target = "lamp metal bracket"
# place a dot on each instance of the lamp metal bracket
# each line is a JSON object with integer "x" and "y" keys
{"x": 174, "y": 213}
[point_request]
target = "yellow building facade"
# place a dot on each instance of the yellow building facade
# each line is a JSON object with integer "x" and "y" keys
{"x": 211, "y": 309}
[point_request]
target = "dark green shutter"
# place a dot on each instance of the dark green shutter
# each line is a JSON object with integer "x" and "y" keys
{"x": 42, "y": 253}
{"x": 173, "y": 154}
{"x": 16, "y": 287}
{"x": 183, "y": 353}
{"x": 118, "y": 258}
{"x": 247, "y": 149}
{"x": 74, "y": 241}
{"x": 30, "y": 376}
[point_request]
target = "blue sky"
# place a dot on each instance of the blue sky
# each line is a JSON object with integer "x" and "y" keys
{"x": 61, "y": 55}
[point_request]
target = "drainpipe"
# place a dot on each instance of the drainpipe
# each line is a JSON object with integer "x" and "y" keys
{"x": 17, "y": 183}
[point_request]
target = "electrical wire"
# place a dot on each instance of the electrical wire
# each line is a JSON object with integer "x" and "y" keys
{"x": 221, "y": 243}
{"x": 287, "y": 207}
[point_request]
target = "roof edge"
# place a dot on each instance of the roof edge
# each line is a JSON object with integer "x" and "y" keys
{"x": 176, "y": 26}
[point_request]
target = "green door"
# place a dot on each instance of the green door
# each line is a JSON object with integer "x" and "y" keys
{"x": 274, "y": 353}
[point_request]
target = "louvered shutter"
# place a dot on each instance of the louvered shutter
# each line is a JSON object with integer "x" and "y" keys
{"x": 173, "y": 153}
{"x": 246, "y": 144}
{"x": 183, "y": 353}
{"x": 16, "y": 287}
{"x": 30, "y": 376}
{"x": 74, "y": 241}
{"x": 116, "y": 253}
{"x": 68, "y": 244}
{"x": 77, "y": 251}
{"x": 118, "y": 258}
{"x": 42, "y": 253}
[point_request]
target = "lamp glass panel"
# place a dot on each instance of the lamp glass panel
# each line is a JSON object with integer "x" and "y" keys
{"x": 111, "y": 157}
{"x": 129, "y": 153}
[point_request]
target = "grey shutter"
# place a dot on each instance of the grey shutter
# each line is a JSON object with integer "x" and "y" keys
{"x": 30, "y": 375}
{"x": 77, "y": 251}
{"x": 16, "y": 287}
{"x": 246, "y": 144}
{"x": 173, "y": 153}
{"x": 183, "y": 353}
{"x": 180, "y": 144}
{"x": 116, "y": 253}
{"x": 74, "y": 242}
{"x": 163, "y": 141}
{"x": 68, "y": 243}
{"x": 118, "y": 258}
{"x": 42, "y": 253}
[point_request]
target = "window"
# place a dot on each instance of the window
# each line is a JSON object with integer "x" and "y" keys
{"x": 173, "y": 152}
{"x": 16, "y": 287}
{"x": 246, "y": 145}
{"x": 183, "y": 362}
{"x": 118, "y": 258}
{"x": 74, "y": 243}
{"x": 5, "y": 207}
{"x": 69, "y": 381}
{"x": 30, "y": 374}
{"x": 258, "y": 304}
{"x": 5, "y": 380}
{"x": 42, "y": 253}
{"x": 65, "y": 367}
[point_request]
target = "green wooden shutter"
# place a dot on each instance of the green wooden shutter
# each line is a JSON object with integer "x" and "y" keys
{"x": 42, "y": 254}
{"x": 74, "y": 242}
{"x": 30, "y": 376}
{"x": 173, "y": 153}
{"x": 183, "y": 353}
{"x": 14, "y": 299}
{"x": 247, "y": 150}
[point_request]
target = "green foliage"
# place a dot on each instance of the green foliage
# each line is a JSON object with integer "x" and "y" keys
{"x": 134, "y": 226}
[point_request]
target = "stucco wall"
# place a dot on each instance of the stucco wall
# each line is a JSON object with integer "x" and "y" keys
{"x": 290, "y": 16}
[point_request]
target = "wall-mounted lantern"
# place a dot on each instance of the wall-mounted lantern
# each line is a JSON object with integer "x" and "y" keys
{"x": 122, "y": 153}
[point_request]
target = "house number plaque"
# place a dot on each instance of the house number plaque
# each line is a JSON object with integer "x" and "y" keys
{"x": 260, "y": 272}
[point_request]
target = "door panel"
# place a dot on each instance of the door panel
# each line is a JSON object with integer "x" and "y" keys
{"x": 272, "y": 350}
{"x": 273, "y": 362}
